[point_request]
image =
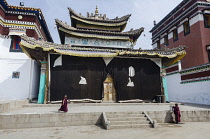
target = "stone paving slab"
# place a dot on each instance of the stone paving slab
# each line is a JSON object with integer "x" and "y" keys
{"x": 164, "y": 131}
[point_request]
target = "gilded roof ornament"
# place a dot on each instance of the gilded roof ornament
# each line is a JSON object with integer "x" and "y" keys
{"x": 96, "y": 11}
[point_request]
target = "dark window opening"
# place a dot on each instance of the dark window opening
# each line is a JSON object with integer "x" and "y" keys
{"x": 15, "y": 44}
{"x": 175, "y": 35}
{"x": 166, "y": 40}
{"x": 207, "y": 20}
{"x": 209, "y": 55}
{"x": 186, "y": 28}
{"x": 158, "y": 44}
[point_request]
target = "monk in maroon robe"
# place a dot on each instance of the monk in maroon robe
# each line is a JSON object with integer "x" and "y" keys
{"x": 64, "y": 105}
{"x": 177, "y": 113}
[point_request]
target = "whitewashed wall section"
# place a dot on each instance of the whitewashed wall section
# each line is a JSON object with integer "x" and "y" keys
{"x": 196, "y": 19}
{"x": 197, "y": 92}
{"x": 154, "y": 45}
{"x": 170, "y": 35}
{"x": 35, "y": 77}
{"x": 97, "y": 42}
{"x": 10, "y": 87}
{"x": 161, "y": 40}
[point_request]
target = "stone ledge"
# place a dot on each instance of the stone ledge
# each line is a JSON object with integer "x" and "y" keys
{"x": 9, "y": 105}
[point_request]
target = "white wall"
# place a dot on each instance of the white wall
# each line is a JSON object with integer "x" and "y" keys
{"x": 162, "y": 41}
{"x": 197, "y": 92}
{"x": 13, "y": 88}
{"x": 180, "y": 29}
{"x": 35, "y": 72}
{"x": 154, "y": 45}
{"x": 170, "y": 35}
{"x": 196, "y": 19}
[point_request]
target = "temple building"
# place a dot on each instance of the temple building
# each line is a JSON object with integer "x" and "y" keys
{"x": 187, "y": 24}
{"x": 96, "y": 62}
{"x": 19, "y": 75}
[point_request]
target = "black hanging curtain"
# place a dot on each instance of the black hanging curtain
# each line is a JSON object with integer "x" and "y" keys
{"x": 65, "y": 79}
{"x": 146, "y": 81}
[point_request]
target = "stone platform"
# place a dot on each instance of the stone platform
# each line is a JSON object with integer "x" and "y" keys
{"x": 80, "y": 114}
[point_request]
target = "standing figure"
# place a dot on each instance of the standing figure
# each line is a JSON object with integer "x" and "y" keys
{"x": 176, "y": 113}
{"x": 64, "y": 105}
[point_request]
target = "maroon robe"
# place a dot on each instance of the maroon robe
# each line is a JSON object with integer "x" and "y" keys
{"x": 177, "y": 113}
{"x": 64, "y": 105}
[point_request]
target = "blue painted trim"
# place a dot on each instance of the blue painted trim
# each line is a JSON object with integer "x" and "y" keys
{"x": 41, "y": 88}
{"x": 164, "y": 80}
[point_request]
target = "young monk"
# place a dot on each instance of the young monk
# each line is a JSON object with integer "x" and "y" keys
{"x": 64, "y": 105}
{"x": 176, "y": 113}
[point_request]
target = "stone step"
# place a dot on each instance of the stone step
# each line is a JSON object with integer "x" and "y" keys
{"x": 125, "y": 115}
{"x": 129, "y": 122}
{"x": 130, "y": 126}
{"x": 126, "y": 118}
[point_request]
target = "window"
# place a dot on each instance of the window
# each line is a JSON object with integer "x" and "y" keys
{"x": 175, "y": 35}
{"x": 207, "y": 20}
{"x": 186, "y": 28}
{"x": 209, "y": 55}
{"x": 15, "y": 47}
{"x": 166, "y": 40}
{"x": 158, "y": 44}
{"x": 208, "y": 51}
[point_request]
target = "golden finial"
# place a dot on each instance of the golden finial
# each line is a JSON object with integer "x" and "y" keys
{"x": 96, "y": 11}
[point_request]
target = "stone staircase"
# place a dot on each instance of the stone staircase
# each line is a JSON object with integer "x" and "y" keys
{"x": 127, "y": 120}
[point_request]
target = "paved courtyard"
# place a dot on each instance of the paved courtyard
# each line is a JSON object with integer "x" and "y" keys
{"x": 164, "y": 131}
{"x": 189, "y": 130}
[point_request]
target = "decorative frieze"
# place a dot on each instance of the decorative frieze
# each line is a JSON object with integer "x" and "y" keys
{"x": 97, "y": 42}
{"x": 201, "y": 68}
{"x": 196, "y": 74}
{"x": 196, "y": 80}
{"x": 4, "y": 36}
{"x": 20, "y": 25}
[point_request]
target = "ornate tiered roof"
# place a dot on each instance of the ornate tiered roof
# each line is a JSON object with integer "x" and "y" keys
{"x": 38, "y": 50}
{"x": 131, "y": 35}
{"x": 97, "y": 19}
{"x": 97, "y": 28}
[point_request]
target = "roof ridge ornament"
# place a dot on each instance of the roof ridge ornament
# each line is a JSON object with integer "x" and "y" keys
{"x": 96, "y": 12}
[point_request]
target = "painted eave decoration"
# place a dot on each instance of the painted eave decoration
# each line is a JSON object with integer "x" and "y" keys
{"x": 131, "y": 35}
{"x": 34, "y": 49}
{"x": 36, "y": 11}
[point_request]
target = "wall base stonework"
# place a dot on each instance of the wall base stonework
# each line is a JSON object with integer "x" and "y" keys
{"x": 12, "y": 105}
{"x": 186, "y": 116}
{"x": 49, "y": 120}
{"x": 93, "y": 118}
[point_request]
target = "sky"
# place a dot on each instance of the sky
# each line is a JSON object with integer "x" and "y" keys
{"x": 143, "y": 13}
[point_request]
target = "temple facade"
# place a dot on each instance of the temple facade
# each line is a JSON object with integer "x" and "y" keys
{"x": 96, "y": 62}
{"x": 19, "y": 74}
{"x": 187, "y": 24}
